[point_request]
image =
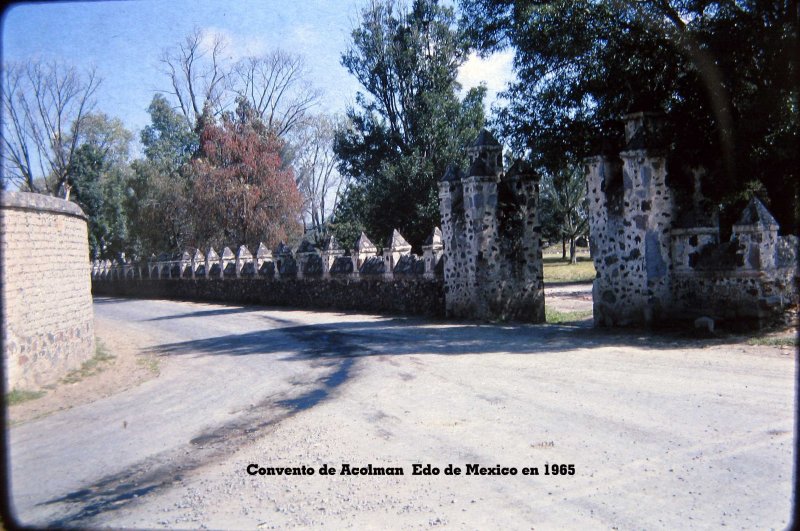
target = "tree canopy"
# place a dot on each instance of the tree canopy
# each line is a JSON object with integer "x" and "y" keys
{"x": 241, "y": 191}
{"x": 409, "y": 123}
{"x": 725, "y": 73}
{"x": 98, "y": 175}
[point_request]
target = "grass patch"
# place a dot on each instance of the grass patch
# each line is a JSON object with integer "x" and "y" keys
{"x": 18, "y": 396}
{"x": 774, "y": 341}
{"x": 553, "y": 316}
{"x": 91, "y": 366}
{"x": 558, "y": 270}
{"x": 150, "y": 363}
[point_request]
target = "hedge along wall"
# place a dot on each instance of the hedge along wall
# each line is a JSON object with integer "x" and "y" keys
{"x": 48, "y": 321}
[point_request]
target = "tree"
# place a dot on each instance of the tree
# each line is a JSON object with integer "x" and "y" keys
{"x": 198, "y": 74}
{"x": 724, "y": 72}
{"x": 563, "y": 213}
{"x": 44, "y": 110}
{"x": 159, "y": 200}
{"x": 98, "y": 176}
{"x": 241, "y": 191}
{"x": 410, "y": 123}
{"x": 277, "y": 89}
{"x": 274, "y": 84}
{"x": 315, "y": 171}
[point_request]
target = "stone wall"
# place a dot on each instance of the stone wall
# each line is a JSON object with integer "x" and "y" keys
{"x": 659, "y": 260}
{"x": 48, "y": 323}
{"x": 492, "y": 238}
{"x": 395, "y": 281}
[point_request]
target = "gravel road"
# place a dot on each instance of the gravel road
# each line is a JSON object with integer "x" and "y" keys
{"x": 663, "y": 432}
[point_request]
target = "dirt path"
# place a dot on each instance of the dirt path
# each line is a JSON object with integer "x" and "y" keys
{"x": 131, "y": 365}
{"x": 696, "y": 433}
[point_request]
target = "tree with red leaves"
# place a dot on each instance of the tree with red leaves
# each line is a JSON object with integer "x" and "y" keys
{"x": 243, "y": 192}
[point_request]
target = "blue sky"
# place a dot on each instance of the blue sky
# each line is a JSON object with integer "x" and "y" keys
{"x": 123, "y": 40}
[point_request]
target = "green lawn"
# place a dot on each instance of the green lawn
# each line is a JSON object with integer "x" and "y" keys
{"x": 558, "y": 270}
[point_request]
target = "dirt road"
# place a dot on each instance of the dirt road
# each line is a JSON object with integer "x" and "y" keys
{"x": 662, "y": 432}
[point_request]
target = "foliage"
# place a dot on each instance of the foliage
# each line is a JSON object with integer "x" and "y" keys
{"x": 98, "y": 176}
{"x": 409, "y": 124}
{"x": 724, "y": 72}
{"x": 159, "y": 199}
{"x": 563, "y": 213}
{"x": 44, "y": 112}
{"x": 241, "y": 191}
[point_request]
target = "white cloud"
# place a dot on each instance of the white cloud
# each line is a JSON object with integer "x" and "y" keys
{"x": 495, "y": 71}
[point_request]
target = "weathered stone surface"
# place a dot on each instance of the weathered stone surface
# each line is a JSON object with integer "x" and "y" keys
{"x": 652, "y": 268}
{"x": 492, "y": 262}
{"x": 47, "y": 321}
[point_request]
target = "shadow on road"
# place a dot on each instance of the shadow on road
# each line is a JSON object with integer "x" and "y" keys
{"x": 337, "y": 347}
{"x": 406, "y": 336}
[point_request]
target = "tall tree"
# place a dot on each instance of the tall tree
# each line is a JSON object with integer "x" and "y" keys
{"x": 315, "y": 171}
{"x": 409, "y": 124}
{"x": 98, "y": 176}
{"x": 277, "y": 88}
{"x": 203, "y": 76}
{"x": 726, "y": 74}
{"x": 242, "y": 192}
{"x": 198, "y": 73}
{"x": 159, "y": 203}
{"x": 44, "y": 109}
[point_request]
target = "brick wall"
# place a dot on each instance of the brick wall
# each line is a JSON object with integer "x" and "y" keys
{"x": 48, "y": 322}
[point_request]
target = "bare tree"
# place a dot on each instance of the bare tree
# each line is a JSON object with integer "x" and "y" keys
{"x": 315, "y": 169}
{"x": 198, "y": 74}
{"x": 276, "y": 86}
{"x": 44, "y": 109}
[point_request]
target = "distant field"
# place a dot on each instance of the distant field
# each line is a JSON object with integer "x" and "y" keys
{"x": 558, "y": 270}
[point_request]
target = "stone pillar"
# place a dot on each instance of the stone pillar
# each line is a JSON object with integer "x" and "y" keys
{"x": 432, "y": 250}
{"x": 648, "y": 218}
{"x": 228, "y": 265}
{"x": 451, "y": 208}
{"x": 243, "y": 257}
{"x": 303, "y": 254}
{"x": 198, "y": 260}
{"x": 363, "y": 249}
{"x": 329, "y": 253}
{"x": 396, "y": 247}
{"x": 757, "y": 233}
{"x": 212, "y": 259}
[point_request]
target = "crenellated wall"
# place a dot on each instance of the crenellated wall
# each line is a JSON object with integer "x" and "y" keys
{"x": 48, "y": 323}
{"x": 394, "y": 282}
{"x": 657, "y": 260}
{"x": 492, "y": 238}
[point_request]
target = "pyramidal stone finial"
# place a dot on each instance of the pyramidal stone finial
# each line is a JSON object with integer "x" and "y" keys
{"x": 332, "y": 244}
{"x": 263, "y": 251}
{"x": 755, "y": 213}
{"x": 364, "y": 245}
{"x": 396, "y": 241}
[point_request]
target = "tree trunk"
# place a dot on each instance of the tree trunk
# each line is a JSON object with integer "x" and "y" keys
{"x": 563, "y": 249}
{"x": 573, "y": 255}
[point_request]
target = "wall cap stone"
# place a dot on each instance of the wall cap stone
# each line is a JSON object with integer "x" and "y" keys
{"x": 40, "y": 203}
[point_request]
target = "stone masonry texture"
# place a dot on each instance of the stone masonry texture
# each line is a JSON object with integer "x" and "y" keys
{"x": 48, "y": 322}
{"x": 659, "y": 259}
